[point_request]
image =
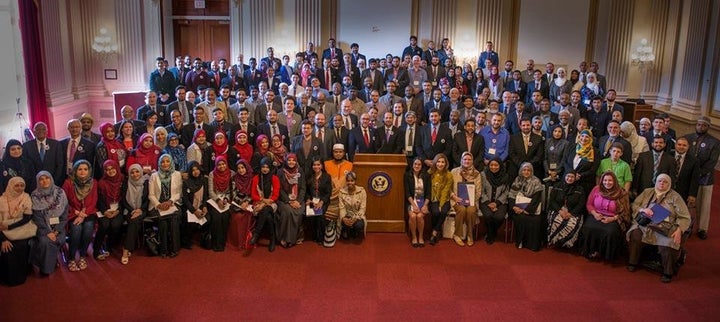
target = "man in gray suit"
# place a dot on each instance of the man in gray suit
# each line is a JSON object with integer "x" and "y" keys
{"x": 289, "y": 118}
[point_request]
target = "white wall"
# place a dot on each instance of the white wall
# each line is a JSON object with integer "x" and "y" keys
{"x": 356, "y": 20}
{"x": 12, "y": 79}
{"x": 552, "y": 31}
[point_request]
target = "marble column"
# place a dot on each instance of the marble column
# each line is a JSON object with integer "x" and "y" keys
{"x": 236, "y": 31}
{"x": 129, "y": 24}
{"x": 663, "y": 37}
{"x": 489, "y": 24}
{"x": 620, "y": 30}
{"x": 152, "y": 35}
{"x": 443, "y": 22}
{"x": 690, "y": 63}
{"x": 56, "y": 52}
{"x": 308, "y": 22}
{"x": 259, "y": 27}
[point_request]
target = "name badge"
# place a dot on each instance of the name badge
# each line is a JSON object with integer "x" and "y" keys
{"x": 146, "y": 168}
{"x": 408, "y": 148}
{"x": 492, "y": 151}
{"x": 416, "y": 83}
{"x": 434, "y": 84}
{"x": 54, "y": 220}
{"x": 553, "y": 166}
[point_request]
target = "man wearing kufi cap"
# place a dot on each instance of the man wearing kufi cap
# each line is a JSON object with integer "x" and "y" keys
{"x": 87, "y": 121}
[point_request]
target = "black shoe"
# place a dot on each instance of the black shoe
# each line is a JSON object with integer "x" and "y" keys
{"x": 702, "y": 234}
{"x": 433, "y": 240}
{"x": 173, "y": 254}
{"x": 271, "y": 247}
{"x": 254, "y": 239}
{"x": 631, "y": 268}
{"x": 666, "y": 278}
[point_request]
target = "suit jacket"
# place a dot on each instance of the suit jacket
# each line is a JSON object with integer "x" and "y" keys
{"x": 521, "y": 88}
{"x": 294, "y": 128}
{"x": 627, "y": 148}
{"x": 686, "y": 183}
{"x": 544, "y": 89}
{"x": 328, "y": 109}
{"x": 357, "y": 142}
{"x": 477, "y": 149}
{"x": 163, "y": 118}
{"x": 327, "y": 142}
{"x": 338, "y": 53}
{"x": 164, "y": 84}
{"x": 586, "y": 169}
{"x": 275, "y": 86}
{"x": 598, "y": 121}
{"x": 54, "y": 161}
{"x": 185, "y": 141}
{"x": 517, "y": 154}
{"x": 389, "y": 145}
{"x": 512, "y": 122}
{"x": 444, "y": 108}
{"x": 305, "y": 161}
{"x": 229, "y": 130}
{"x": 669, "y": 142}
{"x": 416, "y": 105}
{"x": 643, "y": 173}
{"x": 435, "y": 78}
{"x": 188, "y": 132}
{"x": 136, "y": 124}
{"x": 378, "y": 82}
{"x": 353, "y": 120}
{"x": 189, "y": 106}
{"x": 320, "y": 74}
{"x": 343, "y": 138}
{"x": 85, "y": 150}
{"x": 402, "y": 79}
{"x": 179, "y": 74}
{"x": 264, "y": 128}
{"x": 354, "y": 76}
{"x": 355, "y": 57}
{"x": 262, "y": 109}
{"x": 252, "y": 77}
{"x": 426, "y": 149}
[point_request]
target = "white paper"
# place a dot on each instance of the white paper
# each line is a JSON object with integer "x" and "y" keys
{"x": 54, "y": 220}
{"x": 191, "y": 218}
{"x": 248, "y": 208}
{"x": 310, "y": 212}
{"x": 173, "y": 209}
{"x": 214, "y": 204}
{"x": 100, "y": 214}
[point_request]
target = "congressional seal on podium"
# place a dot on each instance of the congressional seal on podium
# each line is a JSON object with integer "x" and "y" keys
{"x": 379, "y": 183}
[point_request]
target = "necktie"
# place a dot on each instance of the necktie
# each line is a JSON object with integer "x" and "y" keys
{"x": 337, "y": 135}
{"x": 332, "y": 53}
{"x": 322, "y": 135}
{"x": 73, "y": 148}
{"x": 388, "y": 132}
{"x": 433, "y": 136}
{"x": 537, "y": 86}
{"x": 608, "y": 144}
{"x": 526, "y": 142}
{"x": 328, "y": 81}
{"x": 678, "y": 165}
{"x": 42, "y": 151}
{"x": 656, "y": 162}
{"x": 348, "y": 124}
{"x": 396, "y": 122}
{"x": 184, "y": 113}
{"x": 366, "y": 136}
{"x": 274, "y": 130}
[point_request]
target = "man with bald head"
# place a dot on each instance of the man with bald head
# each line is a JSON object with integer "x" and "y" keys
{"x": 45, "y": 153}
{"x": 362, "y": 138}
{"x": 128, "y": 114}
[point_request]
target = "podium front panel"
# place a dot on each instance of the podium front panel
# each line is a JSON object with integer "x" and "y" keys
{"x": 382, "y": 177}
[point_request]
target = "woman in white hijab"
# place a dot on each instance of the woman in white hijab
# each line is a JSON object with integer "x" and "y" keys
{"x": 639, "y": 144}
{"x": 591, "y": 89}
{"x": 560, "y": 85}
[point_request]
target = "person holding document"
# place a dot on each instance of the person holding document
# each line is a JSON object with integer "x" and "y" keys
{"x": 195, "y": 196}
{"x": 524, "y": 202}
{"x": 110, "y": 210}
{"x": 135, "y": 203}
{"x": 82, "y": 194}
{"x": 607, "y": 219}
{"x": 417, "y": 193}
{"x": 165, "y": 192}
{"x": 50, "y": 215}
{"x": 467, "y": 185}
{"x": 661, "y": 218}
{"x": 220, "y": 195}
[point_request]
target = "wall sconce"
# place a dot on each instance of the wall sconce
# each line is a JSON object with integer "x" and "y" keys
{"x": 103, "y": 46}
{"x": 643, "y": 56}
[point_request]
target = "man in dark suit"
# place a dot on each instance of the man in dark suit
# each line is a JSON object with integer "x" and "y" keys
{"x": 176, "y": 126}
{"x": 598, "y": 118}
{"x": 326, "y": 75}
{"x": 399, "y": 75}
{"x": 389, "y": 137}
{"x": 412, "y": 50}
{"x": 411, "y": 134}
{"x": 151, "y": 104}
{"x": 658, "y": 123}
{"x": 325, "y": 134}
{"x": 45, "y": 153}
{"x": 128, "y": 115}
{"x": 650, "y": 164}
{"x": 252, "y": 75}
{"x": 414, "y": 103}
{"x": 349, "y": 120}
{"x": 306, "y": 141}
{"x": 537, "y": 84}
{"x": 262, "y": 108}
{"x": 272, "y": 80}
{"x": 512, "y": 123}
{"x": 332, "y": 51}
{"x": 517, "y": 85}
{"x": 179, "y": 70}
{"x": 219, "y": 123}
{"x": 476, "y": 145}
{"x": 75, "y": 148}
{"x": 240, "y": 67}
{"x": 687, "y": 172}
{"x": 189, "y": 130}
{"x": 434, "y": 139}
{"x": 435, "y": 71}
{"x": 490, "y": 54}
{"x": 362, "y": 138}
{"x": 270, "y": 58}
{"x": 185, "y": 107}
{"x": 355, "y": 54}
{"x": 443, "y": 107}
{"x": 162, "y": 81}
{"x": 375, "y": 76}
{"x": 272, "y": 127}
{"x": 352, "y": 71}
{"x": 341, "y": 134}
{"x": 525, "y": 147}
{"x": 613, "y": 136}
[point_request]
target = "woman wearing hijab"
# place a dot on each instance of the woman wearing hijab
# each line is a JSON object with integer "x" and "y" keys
{"x": 50, "y": 215}
{"x": 160, "y": 136}
{"x": 290, "y": 204}
{"x": 109, "y": 148}
{"x": 583, "y": 161}
{"x": 465, "y": 206}
{"x": 265, "y": 191}
{"x": 591, "y": 89}
{"x": 262, "y": 150}
{"x": 667, "y": 235}
{"x": 14, "y": 164}
{"x": 638, "y": 143}
{"x": 165, "y": 193}
{"x": 560, "y": 85}
{"x": 221, "y": 148}
{"x": 495, "y": 84}
{"x": 110, "y": 206}
{"x": 555, "y": 150}
{"x": 177, "y": 151}
{"x": 241, "y": 217}
{"x": 305, "y": 75}
{"x": 493, "y": 201}
{"x": 417, "y": 194}
{"x": 195, "y": 196}
{"x": 317, "y": 194}
{"x": 16, "y": 230}
{"x": 82, "y": 194}
{"x": 566, "y": 210}
{"x": 146, "y": 154}
{"x": 607, "y": 220}
{"x": 220, "y": 195}
{"x": 242, "y": 146}
{"x": 135, "y": 204}
{"x": 199, "y": 152}
{"x": 278, "y": 150}
{"x": 524, "y": 204}
{"x": 577, "y": 84}
{"x": 442, "y": 185}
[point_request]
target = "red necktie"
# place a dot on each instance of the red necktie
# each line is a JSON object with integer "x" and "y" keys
{"x": 328, "y": 82}
{"x": 367, "y": 137}
{"x": 217, "y": 78}
{"x": 434, "y": 135}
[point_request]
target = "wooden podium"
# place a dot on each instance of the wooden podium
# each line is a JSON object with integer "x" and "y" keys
{"x": 382, "y": 177}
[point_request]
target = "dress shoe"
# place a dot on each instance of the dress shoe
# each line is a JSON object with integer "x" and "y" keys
{"x": 666, "y": 278}
{"x": 702, "y": 234}
{"x": 433, "y": 240}
{"x": 172, "y": 254}
{"x": 470, "y": 240}
{"x": 254, "y": 239}
{"x": 459, "y": 241}
{"x": 631, "y": 268}
{"x": 271, "y": 247}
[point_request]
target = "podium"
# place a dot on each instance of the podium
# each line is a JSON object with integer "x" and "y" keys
{"x": 382, "y": 177}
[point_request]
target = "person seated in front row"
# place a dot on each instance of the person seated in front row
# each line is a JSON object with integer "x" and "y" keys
{"x": 608, "y": 208}
{"x": 524, "y": 202}
{"x": 353, "y": 201}
{"x": 417, "y": 193}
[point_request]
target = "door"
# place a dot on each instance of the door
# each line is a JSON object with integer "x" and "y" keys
{"x": 207, "y": 39}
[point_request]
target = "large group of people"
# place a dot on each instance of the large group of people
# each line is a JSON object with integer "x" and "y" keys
{"x": 224, "y": 154}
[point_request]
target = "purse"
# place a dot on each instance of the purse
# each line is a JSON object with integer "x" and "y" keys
{"x": 664, "y": 228}
{"x": 25, "y": 231}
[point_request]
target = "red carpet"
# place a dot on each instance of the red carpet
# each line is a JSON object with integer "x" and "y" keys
{"x": 382, "y": 279}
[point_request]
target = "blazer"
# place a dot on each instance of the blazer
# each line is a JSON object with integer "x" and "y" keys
{"x": 544, "y": 89}
{"x": 160, "y": 109}
{"x": 353, "y": 120}
{"x": 409, "y": 179}
{"x": 389, "y": 145}
{"x": 338, "y": 53}
{"x": 294, "y": 128}
{"x": 252, "y": 77}
{"x": 188, "y": 132}
{"x": 163, "y": 84}
{"x": 521, "y": 89}
{"x": 512, "y": 123}
{"x": 686, "y": 183}
{"x": 54, "y": 161}
{"x": 377, "y": 83}
{"x": 477, "y": 149}
{"x": 354, "y": 76}
{"x": 262, "y": 109}
{"x": 320, "y": 74}
{"x": 598, "y": 122}
{"x": 264, "y": 128}
{"x": 444, "y": 108}
{"x": 85, "y": 150}
{"x": 627, "y": 148}
{"x": 426, "y": 149}
{"x": 517, "y": 154}
{"x": 305, "y": 161}
{"x": 154, "y": 189}
{"x": 189, "y": 107}
{"x": 586, "y": 169}
{"x": 402, "y": 79}
{"x": 643, "y": 172}
{"x": 357, "y": 142}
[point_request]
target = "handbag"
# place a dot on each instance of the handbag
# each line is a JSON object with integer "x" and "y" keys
{"x": 25, "y": 231}
{"x": 330, "y": 234}
{"x": 664, "y": 228}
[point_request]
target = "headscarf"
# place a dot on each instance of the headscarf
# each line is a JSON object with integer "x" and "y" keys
{"x": 586, "y": 151}
{"x": 178, "y": 153}
{"x": 112, "y": 146}
{"x": 192, "y": 183}
{"x": 527, "y": 186}
{"x": 660, "y": 194}
{"x": 51, "y": 199}
{"x": 160, "y": 144}
{"x": 197, "y": 133}
{"x": 15, "y": 199}
{"x": 618, "y": 194}
{"x": 220, "y": 149}
{"x": 265, "y": 182}
{"x": 134, "y": 193}
{"x": 628, "y": 128}
{"x": 494, "y": 76}
{"x": 292, "y": 175}
{"x": 258, "y": 144}
{"x": 496, "y": 179}
{"x": 165, "y": 177}
{"x": 111, "y": 187}
{"x": 278, "y": 152}
{"x": 243, "y": 181}
{"x": 82, "y": 186}
{"x": 594, "y": 86}
{"x": 141, "y": 150}
{"x": 305, "y": 74}
{"x": 10, "y": 162}
{"x": 560, "y": 81}
{"x": 221, "y": 179}
{"x": 469, "y": 173}
{"x": 244, "y": 150}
